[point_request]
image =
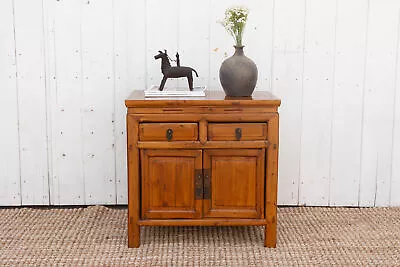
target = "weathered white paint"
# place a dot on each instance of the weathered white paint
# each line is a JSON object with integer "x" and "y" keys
{"x": 32, "y": 101}
{"x": 122, "y": 88}
{"x": 394, "y": 195}
{"x": 318, "y": 74}
{"x": 68, "y": 185}
{"x": 350, "y": 51}
{"x": 379, "y": 96}
{"x": 288, "y": 85}
{"x": 191, "y": 27}
{"x": 10, "y": 188}
{"x": 98, "y": 97}
{"x": 67, "y": 66}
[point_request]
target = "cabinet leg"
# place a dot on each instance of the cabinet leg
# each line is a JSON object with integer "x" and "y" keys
{"x": 133, "y": 236}
{"x": 270, "y": 236}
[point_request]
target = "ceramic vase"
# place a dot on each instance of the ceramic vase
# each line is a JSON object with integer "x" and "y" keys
{"x": 238, "y": 74}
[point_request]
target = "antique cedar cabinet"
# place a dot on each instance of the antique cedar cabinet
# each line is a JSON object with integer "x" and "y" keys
{"x": 202, "y": 161}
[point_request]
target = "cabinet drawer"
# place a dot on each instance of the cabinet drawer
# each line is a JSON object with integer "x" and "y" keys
{"x": 168, "y": 131}
{"x": 237, "y": 131}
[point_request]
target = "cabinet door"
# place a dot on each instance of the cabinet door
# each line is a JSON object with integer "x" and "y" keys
{"x": 234, "y": 183}
{"x": 169, "y": 180}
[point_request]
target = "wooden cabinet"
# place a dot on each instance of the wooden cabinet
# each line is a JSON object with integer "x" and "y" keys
{"x": 202, "y": 161}
{"x": 234, "y": 179}
{"x": 169, "y": 182}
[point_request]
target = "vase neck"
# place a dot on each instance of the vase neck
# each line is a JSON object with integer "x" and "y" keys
{"x": 239, "y": 50}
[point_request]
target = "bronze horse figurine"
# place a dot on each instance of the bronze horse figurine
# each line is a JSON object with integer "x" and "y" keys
{"x": 174, "y": 72}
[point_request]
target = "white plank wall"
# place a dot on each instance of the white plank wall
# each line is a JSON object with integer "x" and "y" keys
{"x": 32, "y": 101}
{"x": 123, "y": 84}
{"x": 351, "y": 30}
{"x": 67, "y": 180}
{"x": 318, "y": 75}
{"x": 98, "y": 99}
{"x": 66, "y": 67}
{"x": 288, "y": 85}
{"x": 10, "y": 187}
{"x": 379, "y": 99}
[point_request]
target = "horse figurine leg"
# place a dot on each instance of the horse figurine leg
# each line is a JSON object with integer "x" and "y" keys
{"x": 164, "y": 79}
{"x": 190, "y": 81}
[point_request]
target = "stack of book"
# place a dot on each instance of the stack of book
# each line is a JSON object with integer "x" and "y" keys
{"x": 198, "y": 91}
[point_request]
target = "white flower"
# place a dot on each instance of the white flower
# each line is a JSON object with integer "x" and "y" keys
{"x": 235, "y": 21}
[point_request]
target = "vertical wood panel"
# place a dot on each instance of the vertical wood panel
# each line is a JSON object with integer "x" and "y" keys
{"x": 379, "y": 103}
{"x": 287, "y": 83}
{"x": 193, "y": 39}
{"x": 122, "y": 88}
{"x": 347, "y": 102}
{"x": 260, "y": 24}
{"x": 162, "y": 19}
{"x": 67, "y": 182}
{"x": 221, "y": 42}
{"x": 317, "y": 101}
{"x": 9, "y": 143}
{"x": 395, "y": 178}
{"x": 32, "y": 101}
{"x": 48, "y": 36}
{"x": 98, "y": 98}
{"x": 130, "y": 75}
{"x": 138, "y": 55}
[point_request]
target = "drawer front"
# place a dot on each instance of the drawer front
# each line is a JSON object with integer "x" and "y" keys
{"x": 237, "y": 131}
{"x": 168, "y": 131}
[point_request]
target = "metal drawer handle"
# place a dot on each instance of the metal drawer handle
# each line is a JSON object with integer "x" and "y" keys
{"x": 238, "y": 133}
{"x": 169, "y": 134}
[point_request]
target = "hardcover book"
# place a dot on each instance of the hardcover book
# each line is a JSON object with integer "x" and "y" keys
{"x": 198, "y": 91}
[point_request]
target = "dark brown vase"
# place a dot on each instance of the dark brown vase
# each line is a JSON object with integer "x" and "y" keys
{"x": 238, "y": 74}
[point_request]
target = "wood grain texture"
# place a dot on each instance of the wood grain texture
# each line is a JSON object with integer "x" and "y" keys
{"x": 202, "y": 109}
{"x": 178, "y": 131}
{"x": 197, "y": 180}
{"x": 271, "y": 182}
{"x": 236, "y": 183}
{"x": 237, "y": 131}
{"x": 136, "y": 99}
{"x": 208, "y": 144}
{"x": 203, "y": 126}
{"x": 133, "y": 182}
{"x": 168, "y": 184}
{"x": 203, "y": 222}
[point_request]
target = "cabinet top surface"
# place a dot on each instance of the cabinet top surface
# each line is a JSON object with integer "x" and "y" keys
{"x": 214, "y": 98}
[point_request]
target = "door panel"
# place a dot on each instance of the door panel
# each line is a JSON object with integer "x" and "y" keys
{"x": 168, "y": 184}
{"x": 235, "y": 182}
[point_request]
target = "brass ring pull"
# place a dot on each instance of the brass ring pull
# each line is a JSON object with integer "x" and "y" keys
{"x": 238, "y": 133}
{"x": 169, "y": 134}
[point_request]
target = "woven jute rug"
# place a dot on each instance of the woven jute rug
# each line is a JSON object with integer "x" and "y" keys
{"x": 97, "y": 235}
